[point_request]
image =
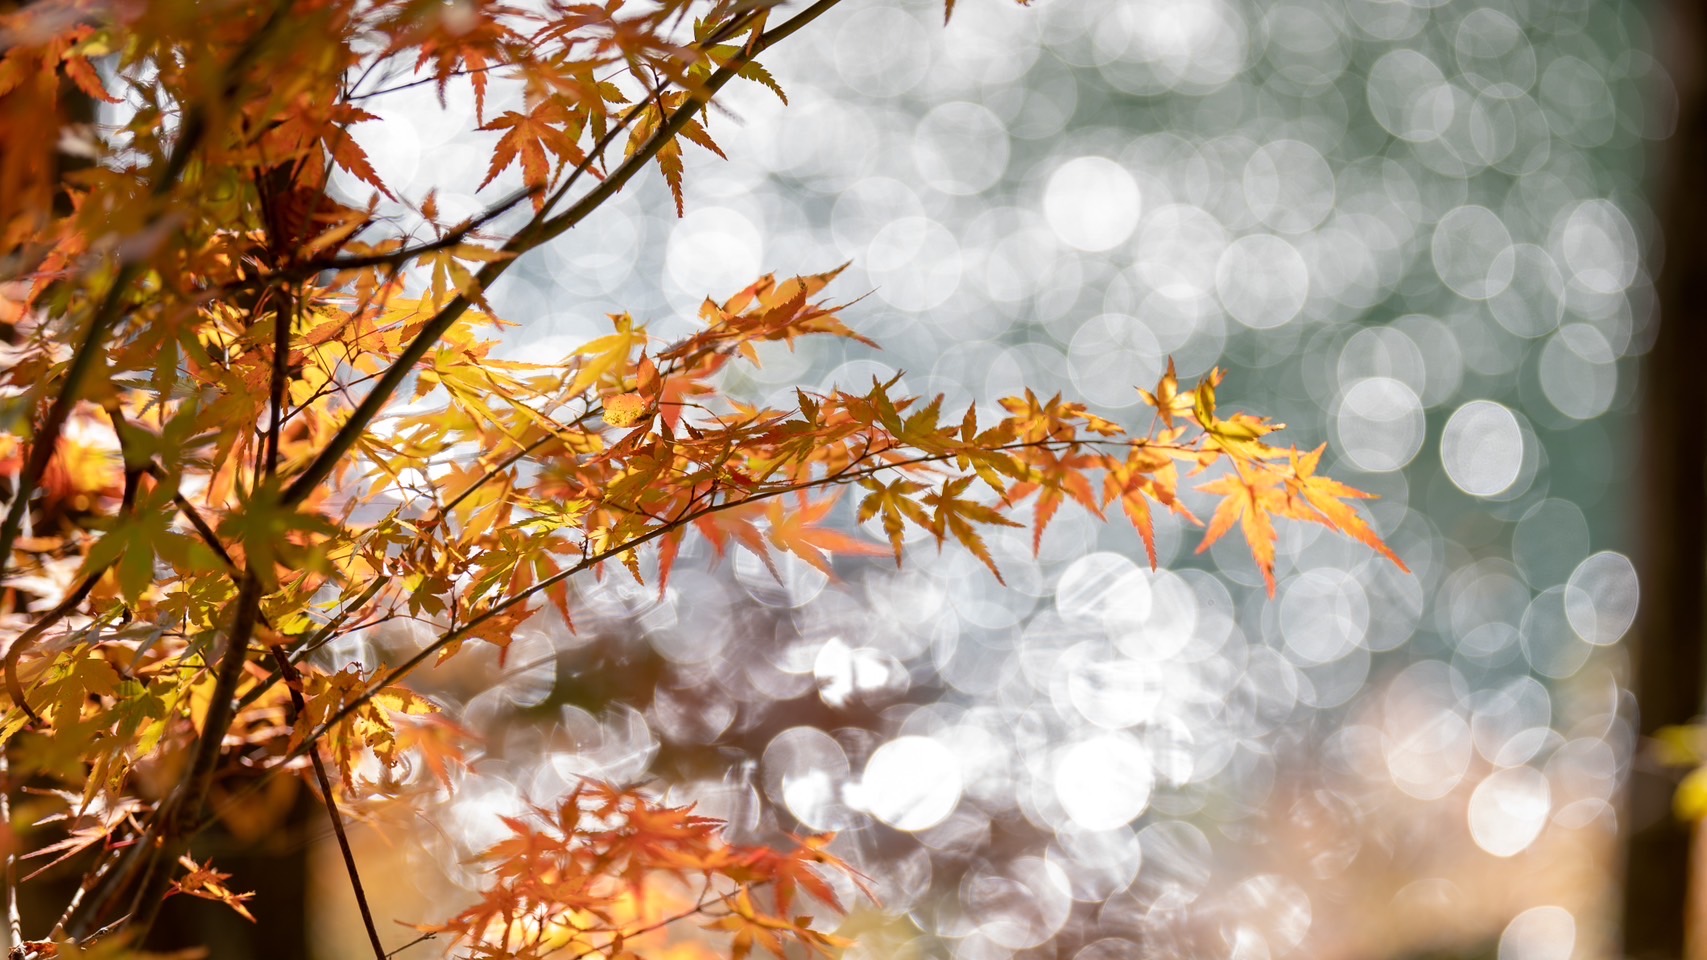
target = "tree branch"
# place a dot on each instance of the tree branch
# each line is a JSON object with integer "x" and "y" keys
{"x": 293, "y": 681}
{"x": 14, "y": 920}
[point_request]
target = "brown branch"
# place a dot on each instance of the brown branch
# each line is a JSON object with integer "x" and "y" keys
{"x": 90, "y": 881}
{"x": 293, "y": 681}
{"x": 283, "y": 316}
{"x": 186, "y": 805}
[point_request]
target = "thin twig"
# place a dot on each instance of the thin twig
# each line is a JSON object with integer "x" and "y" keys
{"x": 293, "y": 682}
{"x": 498, "y": 609}
{"x": 14, "y": 919}
{"x": 423, "y": 938}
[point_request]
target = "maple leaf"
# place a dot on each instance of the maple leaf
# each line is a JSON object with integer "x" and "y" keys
{"x": 1250, "y": 498}
{"x": 608, "y": 353}
{"x": 956, "y": 515}
{"x": 793, "y": 531}
{"x": 1143, "y": 476}
{"x": 800, "y": 868}
{"x": 624, "y": 409}
{"x": 530, "y": 136}
{"x": 1168, "y": 401}
{"x": 206, "y": 883}
{"x": 1324, "y": 503}
{"x": 1241, "y": 434}
{"x": 669, "y": 155}
{"x": 1055, "y": 478}
{"x": 346, "y": 152}
{"x": 895, "y": 501}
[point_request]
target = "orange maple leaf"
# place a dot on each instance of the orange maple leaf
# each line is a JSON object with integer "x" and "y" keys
{"x": 1250, "y": 498}
{"x": 548, "y": 128}
{"x": 1323, "y": 503}
{"x": 794, "y": 532}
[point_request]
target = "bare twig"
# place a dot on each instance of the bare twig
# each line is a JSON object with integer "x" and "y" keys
{"x": 423, "y": 938}
{"x": 293, "y": 681}
{"x": 14, "y": 919}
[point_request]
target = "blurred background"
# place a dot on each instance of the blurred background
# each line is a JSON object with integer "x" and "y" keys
{"x": 1422, "y": 231}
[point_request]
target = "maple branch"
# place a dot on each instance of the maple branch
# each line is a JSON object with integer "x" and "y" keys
{"x": 283, "y": 316}
{"x": 90, "y": 881}
{"x": 509, "y": 202}
{"x": 460, "y": 233}
{"x": 592, "y": 560}
{"x": 595, "y": 409}
{"x": 293, "y": 681}
{"x": 314, "y": 642}
{"x": 324, "y": 634}
{"x": 539, "y": 230}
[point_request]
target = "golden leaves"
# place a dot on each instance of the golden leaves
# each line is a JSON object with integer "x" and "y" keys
{"x": 608, "y": 354}
{"x": 896, "y": 502}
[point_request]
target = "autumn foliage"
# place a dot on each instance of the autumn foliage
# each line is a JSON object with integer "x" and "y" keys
{"x": 243, "y": 419}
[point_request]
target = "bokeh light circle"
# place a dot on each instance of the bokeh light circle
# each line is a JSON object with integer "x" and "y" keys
{"x": 1092, "y": 203}
{"x": 1380, "y": 424}
{"x": 1482, "y": 448}
{"x": 1601, "y": 598}
{"x": 1104, "y": 782}
{"x": 911, "y": 783}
